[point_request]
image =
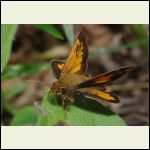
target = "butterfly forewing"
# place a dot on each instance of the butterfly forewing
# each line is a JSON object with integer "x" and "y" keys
{"x": 76, "y": 62}
{"x": 105, "y": 78}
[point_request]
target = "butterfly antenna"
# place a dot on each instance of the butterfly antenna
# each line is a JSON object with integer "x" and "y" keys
{"x": 36, "y": 81}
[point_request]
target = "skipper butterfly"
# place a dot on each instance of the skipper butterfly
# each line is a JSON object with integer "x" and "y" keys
{"x": 72, "y": 80}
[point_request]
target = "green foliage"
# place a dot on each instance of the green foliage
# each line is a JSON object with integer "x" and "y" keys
{"x": 19, "y": 70}
{"x": 50, "y": 29}
{"x": 84, "y": 112}
{"x": 14, "y": 90}
{"x": 42, "y": 121}
{"x": 140, "y": 33}
{"x": 139, "y": 30}
{"x": 110, "y": 51}
{"x": 27, "y": 115}
{"x": 8, "y": 94}
{"x": 7, "y": 36}
{"x": 69, "y": 31}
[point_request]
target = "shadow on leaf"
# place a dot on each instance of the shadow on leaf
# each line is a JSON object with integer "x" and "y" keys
{"x": 91, "y": 105}
{"x": 85, "y": 103}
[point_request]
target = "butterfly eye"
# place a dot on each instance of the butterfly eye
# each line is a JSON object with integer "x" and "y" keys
{"x": 63, "y": 90}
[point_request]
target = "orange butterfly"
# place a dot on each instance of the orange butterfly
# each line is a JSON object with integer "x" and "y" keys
{"x": 72, "y": 80}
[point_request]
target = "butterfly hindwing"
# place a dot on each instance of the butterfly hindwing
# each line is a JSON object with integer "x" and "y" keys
{"x": 76, "y": 62}
{"x": 57, "y": 66}
{"x": 99, "y": 94}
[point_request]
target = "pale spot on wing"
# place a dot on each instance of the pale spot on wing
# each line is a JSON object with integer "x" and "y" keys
{"x": 60, "y": 66}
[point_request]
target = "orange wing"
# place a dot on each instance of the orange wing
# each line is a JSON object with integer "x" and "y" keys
{"x": 57, "y": 66}
{"x": 104, "y": 78}
{"x": 76, "y": 62}
{"x": 99, "y": 94}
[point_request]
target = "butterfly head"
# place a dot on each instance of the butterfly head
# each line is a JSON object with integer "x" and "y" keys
{"x": 58, "y": 88}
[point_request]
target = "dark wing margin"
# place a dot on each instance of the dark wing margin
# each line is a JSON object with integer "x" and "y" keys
{"x": 57, "y": 66}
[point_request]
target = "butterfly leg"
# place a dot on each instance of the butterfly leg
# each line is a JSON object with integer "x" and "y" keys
{"x": 63, "y": 101}
{"x": 64, "y": 104}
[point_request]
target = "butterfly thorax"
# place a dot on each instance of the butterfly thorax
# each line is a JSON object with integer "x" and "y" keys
{"x": 71, "y": 80}
{"x": 67, "y": 83}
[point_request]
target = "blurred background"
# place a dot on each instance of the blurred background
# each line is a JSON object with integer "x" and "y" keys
{"x": 30, "y": 48}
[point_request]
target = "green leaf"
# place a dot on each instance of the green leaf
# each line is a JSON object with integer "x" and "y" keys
{"x": 84, "y": 112}
{"x": 69, "y": 31}
{"x": 7, "y": 36}
{"x": 19, "y": 70}
{"x": 50, "y": 29}
{"x": 25, "y": 116}
{"x": 42, "y": 121}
